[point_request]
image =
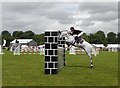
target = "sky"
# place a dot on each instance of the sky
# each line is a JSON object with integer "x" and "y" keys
{"x": 41, "y": 16}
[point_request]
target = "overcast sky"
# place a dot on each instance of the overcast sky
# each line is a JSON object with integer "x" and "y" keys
{"x": 40, "y": 16}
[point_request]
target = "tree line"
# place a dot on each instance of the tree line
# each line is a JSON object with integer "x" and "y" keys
{"x": 100, "y": 38}
{"x": 39, "y": 38}
{"x": 96, "y": 38}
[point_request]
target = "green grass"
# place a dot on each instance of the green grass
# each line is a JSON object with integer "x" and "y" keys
{"x": 28, "y": 70}
{"x": 0, "y": 70}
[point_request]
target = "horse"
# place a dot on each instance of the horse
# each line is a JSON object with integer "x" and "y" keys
{"x": 70, "y": 41}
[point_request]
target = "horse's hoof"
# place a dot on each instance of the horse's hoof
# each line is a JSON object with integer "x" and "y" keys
{"x": 91, "y": 67}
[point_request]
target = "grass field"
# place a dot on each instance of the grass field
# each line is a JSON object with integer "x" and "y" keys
{"x": 28, "y": 70}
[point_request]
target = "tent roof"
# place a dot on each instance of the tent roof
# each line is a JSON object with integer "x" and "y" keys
{"x": 99, "y": 45}
{"x": 113, "y": 45}
{"x": 108, "y": 46}
{"x": 21, "y": 40}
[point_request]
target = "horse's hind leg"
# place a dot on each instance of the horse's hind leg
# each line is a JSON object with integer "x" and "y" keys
{"x": 91, "y": 62}
{"x": 89, "y": 54}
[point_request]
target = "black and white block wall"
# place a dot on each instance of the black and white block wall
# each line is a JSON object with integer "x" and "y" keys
{"x": 61, "y": 43}
{"x": 54, "y": 52}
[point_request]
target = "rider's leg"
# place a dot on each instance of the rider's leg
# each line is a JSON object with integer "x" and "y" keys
{"x": 76, "y": 39}
{"x": 88, "y": 51}
{"x": 80, "y": 39}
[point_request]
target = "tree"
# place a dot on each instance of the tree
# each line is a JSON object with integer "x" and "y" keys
{"x": 118, "y": 38}
{"x": 1, "y": 40}
{"x": 100, "y": 38}
{"x": 28, "y": 34}
{"x": 111, "y": 38}
{"x": 39, "y": 39}
{"x": 17, "y": 34}
{"x": 7, "y": 36}
{"x": 86, "y": 37}
{"x": 92, "y": 38}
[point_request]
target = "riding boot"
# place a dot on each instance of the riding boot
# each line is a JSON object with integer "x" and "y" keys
{"x": 81, "y": 40}
{"x": 77, "y": 39}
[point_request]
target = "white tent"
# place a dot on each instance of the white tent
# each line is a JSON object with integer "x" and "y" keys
{"x": 110, "y": 47}
{"x": 29, "y": 42}
{"x": 99, "y": 45}
{"x": 22, "y": 42}
{"x": 113, "y": 47}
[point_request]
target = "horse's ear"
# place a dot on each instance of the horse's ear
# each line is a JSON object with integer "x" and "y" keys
{"x": 59, "y": 32}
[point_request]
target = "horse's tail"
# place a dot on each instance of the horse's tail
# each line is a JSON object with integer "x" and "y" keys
{"x": 94, "y": 50}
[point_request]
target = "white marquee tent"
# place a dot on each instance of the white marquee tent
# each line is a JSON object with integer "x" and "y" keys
{"x": 113, "y": 47}
{"x": 110, "y": 47}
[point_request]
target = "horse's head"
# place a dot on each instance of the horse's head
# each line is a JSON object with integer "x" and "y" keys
{"x": 68, "y": 37}
{"x": 63, "y": 34}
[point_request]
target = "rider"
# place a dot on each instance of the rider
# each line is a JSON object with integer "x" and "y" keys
{"x": 78, "y": 34}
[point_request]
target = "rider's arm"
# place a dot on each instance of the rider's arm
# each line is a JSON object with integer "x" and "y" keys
{"x": 80, "y": 34}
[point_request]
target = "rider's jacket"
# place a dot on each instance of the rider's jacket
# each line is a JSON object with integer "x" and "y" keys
{"x": 77, "y": 32}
